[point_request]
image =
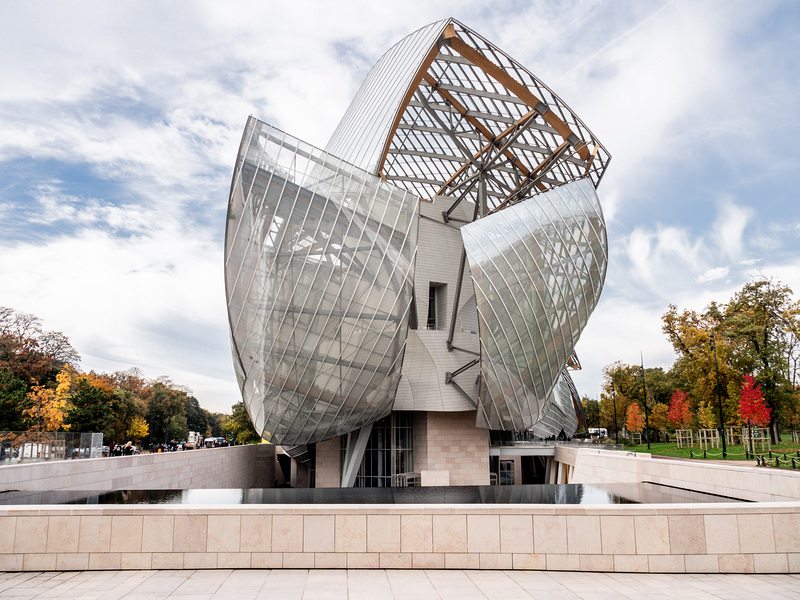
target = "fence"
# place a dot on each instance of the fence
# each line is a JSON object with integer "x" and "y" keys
{"x": 38, "y": 446}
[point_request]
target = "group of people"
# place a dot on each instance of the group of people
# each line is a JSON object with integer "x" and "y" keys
{"x": 121, "y": 449}
{"x": 170, "y": 446}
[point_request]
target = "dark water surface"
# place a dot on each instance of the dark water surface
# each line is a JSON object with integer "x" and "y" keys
{"x": 568, "y": 493}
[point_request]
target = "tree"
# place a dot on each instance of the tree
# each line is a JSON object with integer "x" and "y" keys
{"x": 32, "y": 354}
{"x": 659, "y": 417}
{"x": 47, "y": 406}
{"x": 239, "y": 426}
{"x": 752, "y": 408}
{"x": 40, "y": 401}
{"x": 619, "y": 389}
{"x": 680, "y": 413}
{"x": 127, "y": 407}
{"x": 90, "y": 408}
{"x": 165, "y": 402}
{"x": 196, "y": 416}
{"x": 138, "y": 429}
{"x": 591, "y": 408}
{"x": 695, "y": 371}
{"x": 764, "y": 322}
{"x": 706, "y": 415}
{"x": 215, "y": 421}
{"x": 634, "y": 419}
{"x": 12, "y": 401}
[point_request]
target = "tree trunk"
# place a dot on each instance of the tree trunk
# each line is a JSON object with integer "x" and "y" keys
{"x": 774, "y": 431}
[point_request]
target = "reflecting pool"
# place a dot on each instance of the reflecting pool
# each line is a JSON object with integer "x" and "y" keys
{"x": 569, "y": 493}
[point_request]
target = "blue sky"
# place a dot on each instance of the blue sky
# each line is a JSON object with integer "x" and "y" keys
{"x": 119, "y": 125}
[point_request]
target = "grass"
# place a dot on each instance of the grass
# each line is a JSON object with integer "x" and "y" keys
{"x": 735, "y": 452}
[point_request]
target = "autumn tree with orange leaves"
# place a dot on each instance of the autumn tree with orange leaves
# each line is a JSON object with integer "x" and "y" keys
{"x": 634, "y": 419}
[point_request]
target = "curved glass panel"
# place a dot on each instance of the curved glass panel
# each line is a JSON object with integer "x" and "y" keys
{"x": 361, "y": 134}
{"x": 318, "y": 274}
{"x": 538, "y": 269}
{"x": 558, "y": 414}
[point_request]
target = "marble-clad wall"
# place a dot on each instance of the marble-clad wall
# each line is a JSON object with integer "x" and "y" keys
{"x": 251, "y": 466}
{"x": 724, "y": 538}
{"x": 757, "y": 484}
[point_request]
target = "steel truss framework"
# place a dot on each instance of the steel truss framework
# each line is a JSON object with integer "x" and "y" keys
{"x": 446, "y": 114}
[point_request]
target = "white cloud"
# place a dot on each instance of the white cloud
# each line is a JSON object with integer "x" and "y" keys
{"x": 713, "y": 274}
{"x": 696, "y": 104}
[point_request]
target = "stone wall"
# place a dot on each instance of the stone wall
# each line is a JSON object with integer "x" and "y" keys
{"x": 327, "y": 468}
{"x": 449, "y": 441}
{"x": 706, "y": 538}
{"x": 251, "y": 466}
{"x": 759, "y": 484}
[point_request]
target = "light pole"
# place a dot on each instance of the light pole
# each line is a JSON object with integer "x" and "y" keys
{"x": 614, "y": 401}
{"x": 646, "y": 420}
{"x": 719, "y": 397}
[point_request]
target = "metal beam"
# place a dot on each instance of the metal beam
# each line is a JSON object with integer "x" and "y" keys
{"x": 452, "y": 331}
{"x": 354, "y": 454}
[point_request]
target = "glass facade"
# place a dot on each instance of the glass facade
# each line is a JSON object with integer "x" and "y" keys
{"x": 321, "y": 246}
{"x": 389, "y": 452}
{"x": 319, "y": 268}
{"x": 538, "y": 269}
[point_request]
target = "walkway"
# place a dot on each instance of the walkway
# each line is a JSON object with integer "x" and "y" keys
{"x": 380, "y": 585}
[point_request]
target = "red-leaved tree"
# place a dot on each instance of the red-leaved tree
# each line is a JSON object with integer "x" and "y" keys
{"x": 680, "y": 412}
{"x": 752, "y": 407}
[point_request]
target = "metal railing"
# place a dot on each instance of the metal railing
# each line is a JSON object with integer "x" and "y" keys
{"x": 410, "y": 479}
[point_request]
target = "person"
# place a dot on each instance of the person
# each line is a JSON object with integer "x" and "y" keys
{"x": 127, "y": 450}
{"x": 111, "y": 447}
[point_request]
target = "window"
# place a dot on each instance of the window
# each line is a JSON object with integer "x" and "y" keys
{"x": 506, "y": 472}
{"x": 437, "y": 305}
{"x": 389, "y": 451}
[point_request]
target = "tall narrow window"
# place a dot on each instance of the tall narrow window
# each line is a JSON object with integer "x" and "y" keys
{"x": 437, "y": 305}
{"x": 431, "y": 307}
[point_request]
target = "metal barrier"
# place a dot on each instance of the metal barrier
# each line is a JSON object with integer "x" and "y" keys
{"x": 37, "y": 446}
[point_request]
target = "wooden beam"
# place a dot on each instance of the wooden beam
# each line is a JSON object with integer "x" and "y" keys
{"x": 540, "y": 169}
{"x": 514, "y": 86}
{"x": 492, "y": 139}
{"x": 423, "y": 69}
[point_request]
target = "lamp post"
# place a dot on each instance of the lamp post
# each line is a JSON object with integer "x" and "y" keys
{"x": 614, "y": 400}
{"x": 719, "y": 397}
{"x": 646, "y": 419}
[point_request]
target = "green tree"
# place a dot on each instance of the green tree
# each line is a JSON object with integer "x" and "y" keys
{"x": 591, "y": 408}
{"x": 90, "y": 408}
{"x": 13, "y": 393}
{"x": 196, "y": 417}
{"x": 165, "y": 403}
{"x": 695, "y": 370}
{"x": 619, "y": 387}
{"x": 239, "y": 426}
{"x": 763, "y": 320}
{"x": 127, "y": 407}
{"x": 215, "y": 421}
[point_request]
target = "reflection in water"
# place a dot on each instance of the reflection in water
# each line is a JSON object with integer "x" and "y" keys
{"x": 621, "y": 493}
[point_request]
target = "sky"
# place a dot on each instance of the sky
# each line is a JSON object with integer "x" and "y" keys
{"x": 120, "y": 123}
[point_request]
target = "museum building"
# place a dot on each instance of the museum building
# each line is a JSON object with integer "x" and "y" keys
{"x": 411, "y": 295}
